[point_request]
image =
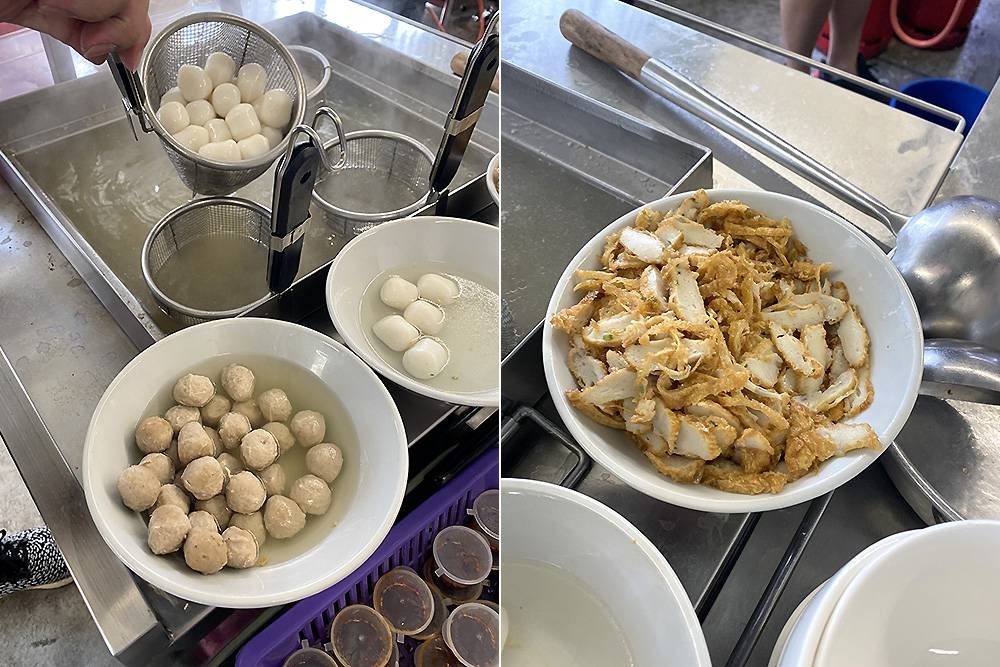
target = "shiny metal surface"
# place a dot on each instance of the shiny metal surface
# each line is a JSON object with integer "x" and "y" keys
{"x": 949, "y": 255}
{"x": 961, "y": 370}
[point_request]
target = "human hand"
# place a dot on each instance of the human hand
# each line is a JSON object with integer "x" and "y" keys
{"x": 93, "y": 28}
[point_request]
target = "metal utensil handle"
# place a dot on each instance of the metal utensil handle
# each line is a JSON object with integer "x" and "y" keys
{"x": 595, "y": 39}
{"x": 694, "y": 21}
{"x": 131, "y": 90}
{"x": 327, "y": 112}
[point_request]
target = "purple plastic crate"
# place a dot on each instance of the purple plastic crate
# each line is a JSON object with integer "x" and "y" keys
{"x": 408, "y": 543}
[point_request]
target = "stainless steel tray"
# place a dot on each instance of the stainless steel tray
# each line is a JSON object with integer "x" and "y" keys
{"x": 570, "y": 165}
{"x": 98, "y": 192}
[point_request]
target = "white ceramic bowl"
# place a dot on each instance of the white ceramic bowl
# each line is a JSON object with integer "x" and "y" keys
{"x": 492, "y": 176}
{"x": 804, "y": 630}
{"x": 930, "y": 599}
{"x": 462, "y": 247}
{"x": 366, "y": 497}
{"x": 886, "y": 307}
{"x": 549, "y": 524}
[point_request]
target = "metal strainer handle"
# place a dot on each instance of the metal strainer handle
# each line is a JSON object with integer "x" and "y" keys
{"x": 317, "y": 141}
{"x": 341, "y": 137}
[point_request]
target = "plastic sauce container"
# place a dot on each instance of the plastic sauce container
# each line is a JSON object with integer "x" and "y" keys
{"x": 485, "y": 512}
{"x": 309, "y": 657}
{"x": 462, "y": 555}
{"x": 435, "y": 653}
{"x": 437, "y": 619}
{"x": 472, "y": 632}
{"x": 404, "y": 600}
{"x": 361, "y": 637}
{"x": 451, "y": 594}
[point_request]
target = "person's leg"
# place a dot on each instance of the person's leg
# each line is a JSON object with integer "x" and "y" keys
{"x": 847, "y": 20}
{"x": 801, "y": 21}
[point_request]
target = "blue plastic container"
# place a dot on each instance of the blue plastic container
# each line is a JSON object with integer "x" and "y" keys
{"x": 958, "y": 96}
{"x": 408, "y": 543}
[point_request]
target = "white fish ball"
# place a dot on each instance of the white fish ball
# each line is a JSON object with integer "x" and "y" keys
{"x": 426, "y": 359}
{"x": 212, "y": 411}
{"x": 398, "y": 292}
{"x": 220, "y": 67}
{"x": 272, "y": 135}
{"x": 251, "y": 80}
{"x": 241, "y": 546}
{"x": 172, "y": 95}
{"x": 200, "y": 112}
{"x": 171, "y": 494}
{"x": 283, "y": 518}
{"x": 275, "y": 108}
{"x": 173, "y": 117}
{"x": 242, "y": 121}
{"x": 161, "y": 465}
{"x": 259, "y": 449}
{"x": 395, "y": 332}
{"x": 254, "y": 523}
{"x": 224, "y": 98}
{"x": 221, "y": 151}
{"x": 168, "y": 526}
{"x": 138, "y": 487}
{"x": 217, "y": 507}
{"x": 218, "y": 130}
{"x": 205, "y": 551}
{"x": 245, "y": 493}
{"x": 312, "y": 494}
{"x": 308, "y": 427}
{"x": 194, "y": 83}
{"x": 232, "y": 427}
{"x": 153, "y": 434}
{"x": 253, "y": 146}
{"x": 437, "y": 288}
{"x": 426, "y": 316}
{"x": 282, "y": 434}
{"x": 238, "y": 381}
{"x": 274, "y": 405}
{"x": 325, "y": 461}
{"x": 193, "y": 390}
{"x": 203, "y": 478}
{"x": 193, "y": 137}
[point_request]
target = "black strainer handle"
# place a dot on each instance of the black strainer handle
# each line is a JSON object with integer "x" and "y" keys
{"x": 293, "y": 186}
{"x": 131, "y": 89}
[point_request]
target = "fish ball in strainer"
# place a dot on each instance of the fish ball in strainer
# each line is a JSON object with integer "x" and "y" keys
{"x": 173, "y": 117}
{"x": 222, "y": 151}
{"x": 200, "y": 112}
{"x": 218, "y": 131}
{"x": 193, "y": 137}
{"x": 275, "y": 108}
{"x": 251, "y": 80}
{"x": 225, "y": 98}
{"x": 220, "y": 68}
{"x": 253, "y": 146}
{"x": 194, "y": 83}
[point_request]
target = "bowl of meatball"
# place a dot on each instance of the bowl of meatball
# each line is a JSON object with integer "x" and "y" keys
{"x": 245, "y": 463}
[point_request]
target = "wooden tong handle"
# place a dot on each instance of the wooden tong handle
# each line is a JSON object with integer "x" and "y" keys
{"x": 589, "y": 35}
{"x": 459, "y": 62}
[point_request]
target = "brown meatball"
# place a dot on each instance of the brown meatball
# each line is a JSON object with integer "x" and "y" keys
{"x": 194, "y": 390}
{"x": 325, "y": 460}
{"x": 308, "y": 427}
{"x": 168, "y": 526}
{"x": 230, "y": 464}
{"x": 216, "y": 441}
{"x": 214, "y": 409}
{"x": 161, "y": 465}
{"x": 274, "y": 479}
{"x": 259, "y": 449}
{"x": 232, "y": 427}
{"x": 241, "y": 547}
{"x": 180, "y": 415}
{"x": 171, "y": 494}
{"x": 245, "y": 493}
{"x": 138, "y": 487}
{"x": 193, "y": 442}
{"x": 274, "y": 405}
{"x": 205, "y": 551}
{"x": 312, "y": 494}
{"x": 153, "y": 434}
{"x": 251, "y": 522}
{"x": 283, "y": 518}
{"x": 281, "y": 433}
{"x": 217, "y": 507}
{"x": 203, "y": 478}
{"x": 251, "y": 411}
{"x": 238, "y": 381}
{"x": 202, "y": 520}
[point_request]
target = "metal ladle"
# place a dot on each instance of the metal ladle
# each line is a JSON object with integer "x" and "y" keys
{"x": 949, "y": 253}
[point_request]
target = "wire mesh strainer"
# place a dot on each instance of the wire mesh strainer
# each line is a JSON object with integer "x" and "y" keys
{"x": 189, "y": 41}
{"x": 385, "y": 177}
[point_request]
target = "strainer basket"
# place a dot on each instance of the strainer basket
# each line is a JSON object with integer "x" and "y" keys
{"x": 191, "y": 223}
{"x": 385, "y": 176}
{"x": 189, "y": 41}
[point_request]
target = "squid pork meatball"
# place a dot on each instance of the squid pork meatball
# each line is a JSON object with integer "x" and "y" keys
{"x": 283, "y": 518}
{"x": 308, "y": 427}
{"x": 312, "y": 494}
{"x": 139, "y": 487}
{"x": 259, "y": 449}
{"x": 168, "y": 526}
{"x": 203, "y": 478}
{"x": 205, "y": 551}
{"x": 282, "y": 434}
{"x": 217, "y": 507}
{"x": 212, "y": 411}
{"x": 202, "y": 520}
{"x": 245, "y": 493}
{"x": 251, "y": 411}
{"x": 194, "y": 390}
{"x": 251, "y": 522}
{"x": 153, "y": 434}
{"x": 232, "y": 428}
{"x": 238, "y": 382}
{"x": 171, "y": 494}
{"x": 274, "y": 405}
{"x": 325, "y": 460}
{"x": 274, "y": 479}
{"x": 193, "y": 442}
{"x": 241, "y": 547}
{"x": 179, "y": 415}
{"x": 161, "y": 465}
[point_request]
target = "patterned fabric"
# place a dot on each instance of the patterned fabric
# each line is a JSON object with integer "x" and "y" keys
{"x": 28, "y": 559}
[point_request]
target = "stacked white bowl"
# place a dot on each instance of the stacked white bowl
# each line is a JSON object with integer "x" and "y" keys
{"x": 921, "y": 598}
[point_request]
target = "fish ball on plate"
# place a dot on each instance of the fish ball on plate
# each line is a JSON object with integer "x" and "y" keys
{"x": 179, "y": 415}
{"x": 283, "y": 518}
{"x": 192, "y": 137}
{"x": 251, "y": 411}
{"x": 398, "y": 292}
{"x": 274, "y": 405}
{"x": 426, "y": 359}
{"x": 205, "y": 551}
{"x": 272, "y": 135}
{"x": 437, "y": 288}
{"x": 203, "y": 478}
{"x": 161, "y": 465}
{"x": 193, "y": 390}
{"x": 171, "y": 494}
{"x": 153, "y": 434}
{"x": 253, "y": 146}
{"x": 274, "y": 479}
{"x": 194, "y": 83}
{"x": 138, "y": 487}
{"x": 233, "y": 426}
{"x": 230, "y": 464}
{"x": 168, "y": 526}
{"x": 224, "y": 98}
{"x": 220, "y": 67}
{"x": 212, "y": 411}
{"x": 426, "y": 316}
{"x": 275, "y": 108}
{"x": 253, "y": 523}
{"x": 251, "y": 80}
{"x": 325, "y": 461}
{"x": 245, "y": 493}
{"x": 259, "y": 449}
{"x": 200, "y": 112}
{"x": 217, "y": 130}
{"x": 217, "y": 507}
{"x": 202, "y": 520}
{"x": 395, "y": 332}
{"x": 193, "y": 442}
{"x": 282, "y": 434}
{"x": 221, "y": 151}
{"x": 308, "y": 427}
{"x": 238, "y": 381}
{"x": 173, "y": 117}
{"x": 312, "y": 494}
{"x": 241, "y": 546}
{"x": 172, "y": 95}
